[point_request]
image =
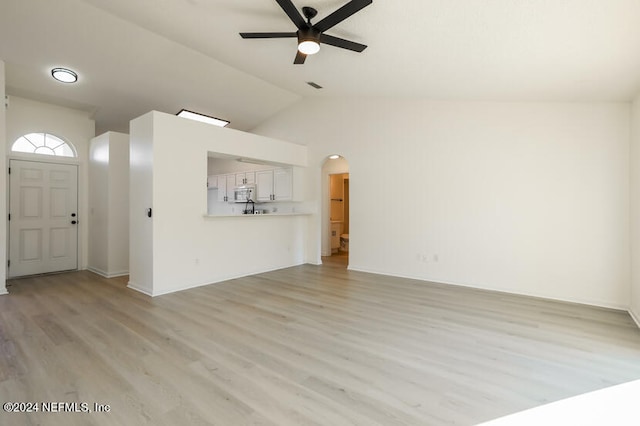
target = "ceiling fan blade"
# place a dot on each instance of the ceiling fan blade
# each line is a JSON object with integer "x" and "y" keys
{"x": 293, "y": 13}
{"x": 268, "y": 35}
{"x": 341, "y": 14}
{"x": 300, "y": 57}
{"x": 340, "y": 42}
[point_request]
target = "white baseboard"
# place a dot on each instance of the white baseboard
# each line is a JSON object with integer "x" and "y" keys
{"x": 614, "y": 306}
{"x": 97, "y": 271}
{"x": 107, "y": 274}
{"x": 118, "y": 274}
{"x": 3, "y": 291}
{"x": 139, "y": 289}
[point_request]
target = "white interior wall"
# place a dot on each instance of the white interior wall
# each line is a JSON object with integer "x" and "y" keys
{"x": 109, "y": 204}
{"x": 3, "y": 184}
{"x": 189, "y": 249}
{"x": 529, "y": 198}
{"x": 77, "y": 127}
{"x": 634, "y": 161}
{"x": 99, "y": 204}
{"x": 141, "y": 188}
{"x": 119, "y": 204}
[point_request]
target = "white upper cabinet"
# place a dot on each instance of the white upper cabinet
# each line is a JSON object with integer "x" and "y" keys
{"x": 271, "y": 184}
{"x": 264, "y": 185}
{"x": 225, "y": 184}
{"x": 282, "y": 185}
{"x": 221, "y": 182}
{"x": 274, "y": 185}
{"x": 245, "y": 178}
{"x": 231, "y": 186}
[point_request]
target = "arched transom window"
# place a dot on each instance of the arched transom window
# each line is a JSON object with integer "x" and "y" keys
{"x": 43, "y": 143}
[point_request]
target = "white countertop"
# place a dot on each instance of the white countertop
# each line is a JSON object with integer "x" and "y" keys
{"x": 258, "y": 215}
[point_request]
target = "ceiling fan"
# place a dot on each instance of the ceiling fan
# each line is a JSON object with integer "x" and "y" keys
{"x": 311, "y": 35}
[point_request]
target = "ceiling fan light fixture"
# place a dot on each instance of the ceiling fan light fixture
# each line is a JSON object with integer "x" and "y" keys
{"x": 309, "y": 47}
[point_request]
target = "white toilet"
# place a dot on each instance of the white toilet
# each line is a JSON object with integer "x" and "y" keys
{"x": 344, "y": 242}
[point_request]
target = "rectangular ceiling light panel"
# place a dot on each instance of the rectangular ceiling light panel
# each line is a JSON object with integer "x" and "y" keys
{"x": 201, "y": 117}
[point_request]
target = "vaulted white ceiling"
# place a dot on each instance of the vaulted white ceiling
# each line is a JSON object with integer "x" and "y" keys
{"x": 134, "y": 56}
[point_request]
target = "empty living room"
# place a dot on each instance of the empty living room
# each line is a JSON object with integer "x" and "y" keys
{"x": 177, "y": 251}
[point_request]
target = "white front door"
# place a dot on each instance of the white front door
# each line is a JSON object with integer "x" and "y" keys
{"x": 43, "y": 217}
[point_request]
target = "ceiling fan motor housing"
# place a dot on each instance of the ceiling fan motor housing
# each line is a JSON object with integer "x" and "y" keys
{"x": 310, "y": 34}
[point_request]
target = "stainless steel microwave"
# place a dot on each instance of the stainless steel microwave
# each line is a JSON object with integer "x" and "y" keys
{"x": 244, "y": 193}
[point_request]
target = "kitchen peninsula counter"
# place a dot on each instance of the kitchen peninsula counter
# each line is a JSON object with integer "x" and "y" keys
{"x": 213, "y": 216}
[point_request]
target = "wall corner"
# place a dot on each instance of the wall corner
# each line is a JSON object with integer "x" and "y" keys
{"x": 634, "y": 210}
{"x": 635, "y": 317}
{"x": 3, "y": 184}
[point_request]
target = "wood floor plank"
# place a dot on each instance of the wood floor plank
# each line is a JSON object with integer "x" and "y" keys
{"x": 309, "y": 345}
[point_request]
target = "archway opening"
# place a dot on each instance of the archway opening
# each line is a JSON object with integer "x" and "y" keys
{"x": 336, "y": 220}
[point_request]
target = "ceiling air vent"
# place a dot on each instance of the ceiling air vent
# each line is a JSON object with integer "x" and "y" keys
{"x": 314, "y": 85}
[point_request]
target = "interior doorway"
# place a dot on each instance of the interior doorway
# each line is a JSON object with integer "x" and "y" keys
{"x": 336, "y": 216}
{"x": 339, "y": 213}
{"x": 43, "y": 206}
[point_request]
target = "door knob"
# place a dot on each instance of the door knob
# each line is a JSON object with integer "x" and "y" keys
{"x": 73, "y": 222}
{"x": 73, "y": 215}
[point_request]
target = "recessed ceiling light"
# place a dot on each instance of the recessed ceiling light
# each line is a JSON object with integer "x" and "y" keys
{"x": 201, "y": 117}
{"x": 334, "y": 157}
{"x": 64, "y": 75}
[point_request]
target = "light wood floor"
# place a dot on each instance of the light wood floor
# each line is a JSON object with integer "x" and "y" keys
{"x": 304, "y": 345}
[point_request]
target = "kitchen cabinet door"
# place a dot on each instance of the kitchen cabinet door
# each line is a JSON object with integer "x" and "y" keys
{"x": 245, "y": 178}
{"x": 282, "y": 184}
{"x": 264, "y": 185}
{"x": 222, "y": 188}
{"x": 231, "y": 185}
{"x": 212, "y": 181}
